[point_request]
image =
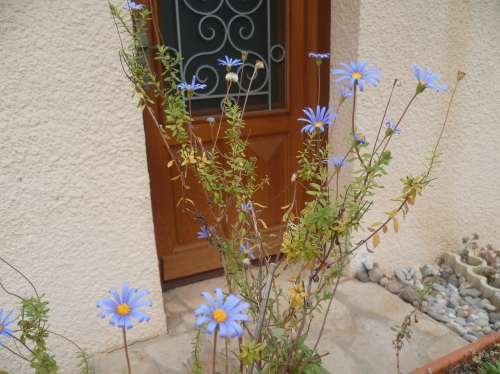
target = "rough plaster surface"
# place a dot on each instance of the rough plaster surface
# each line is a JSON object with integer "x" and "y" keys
{"x": 76, "y": 209}
{"x": 445, "y": 36}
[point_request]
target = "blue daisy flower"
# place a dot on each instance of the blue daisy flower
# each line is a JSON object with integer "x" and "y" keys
{"x": 229, "y": 62}
{"x": 337, "y": 161}
{"x": 344, "y": 93}
{"x": 245, "y": 208}
{"x": 319, "y": 55}
{"x": 317, "y": 120}
{"x": 191, "y": 87}
{"x": 392, "y": 127}
{"x": 211, "y": 119}
{"x": 133, "y": 5}
{"x": 360, "y": 138}
{"x": 357, "y": 73}
{"x": 224, "y": 315}
{"x": 205, "y": 233}
{"x": 125, "y": 306}
{"x": 247, "y": 251}
{"x": 3, "y": 325}
{"x": 425, "y": 80}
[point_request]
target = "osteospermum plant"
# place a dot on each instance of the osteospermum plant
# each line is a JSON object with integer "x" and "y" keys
{"x": 123, "y": 308}
{"x": 270, "y": 315}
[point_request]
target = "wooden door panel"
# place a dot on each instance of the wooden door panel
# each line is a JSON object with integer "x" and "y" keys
{"x": 274, "y": 139}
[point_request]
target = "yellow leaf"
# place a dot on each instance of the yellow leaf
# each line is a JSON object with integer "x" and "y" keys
{"x": 384, "y": 229}
{"x": 396, "y": 224}
{"x": 371, "y": 229}
{"x": 376, "y": 224}
{"x": 140, "y": 95}
{"x": 187, "y": 187}
{"x": 170, "y": 163}
{"x": 179, "y": 202}
{"x": 263, "y": 223}
{"x": 261, "y": 206}
{"x": 376, "y": 240}
{"x": 285, "y": 217}
{"x": 393, "y": 213}
{"x": 243, "y": 232}
{"x": 175, "y": 178}
{"x": 191, "y": 201}
{"x": 285, "y": 207}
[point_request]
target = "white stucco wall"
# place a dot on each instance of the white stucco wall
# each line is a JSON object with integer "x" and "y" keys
{"x": 445, "y": 36}
{"x": 75, "y": 207}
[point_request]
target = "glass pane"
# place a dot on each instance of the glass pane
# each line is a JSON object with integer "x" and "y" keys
{"x": 203, "y": 31}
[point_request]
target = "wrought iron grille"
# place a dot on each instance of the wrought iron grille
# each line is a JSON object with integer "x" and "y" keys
{"x": 203, "y": 31}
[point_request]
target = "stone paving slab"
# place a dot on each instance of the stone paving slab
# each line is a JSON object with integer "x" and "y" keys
{"x": 357, "y": 334}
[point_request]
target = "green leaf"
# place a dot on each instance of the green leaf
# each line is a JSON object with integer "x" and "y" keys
{"x": 277, "y": 332}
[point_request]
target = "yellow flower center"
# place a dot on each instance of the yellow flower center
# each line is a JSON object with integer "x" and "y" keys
{"x": 219, "y": 315}
{"x": 356, "y": 75}
{"x": 361, "y": 136}
{"x": 1, "y": 328}
{"x": 246, "y": 251}
{"x": 123, "y": 309}
{"x": 318, "y": 124}
{"x": 423, "y": 83}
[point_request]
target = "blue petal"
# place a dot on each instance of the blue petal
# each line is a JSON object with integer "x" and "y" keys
{"x": 115, "y": 294}
{"x": 128, "y": 322}
{"x": 211, "y": 327}
{"x": 210, "y": 299}
{"x": 240, "y": 317}
{"x": 218, "y": 292}
{"x": 114, "y": 319}
{"x": 105, "y": 312}
{"x": 231, "y": 302}
{"x": 223, "y": 329}
{"x": 201, "y": 320}
{"x": 139, "y": 316}
{"x": 137, "y": 297}
{"x": 107, "y": 303}
{"x": 125, "y": 288}
{"x": 142, "y": 304}
{"x": 203, "y": 309}
{"x": 239, "y": 308}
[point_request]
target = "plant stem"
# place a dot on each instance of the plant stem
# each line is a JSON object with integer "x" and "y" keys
{"x": 215, "y": 351}
{"x": 126, "y": 350}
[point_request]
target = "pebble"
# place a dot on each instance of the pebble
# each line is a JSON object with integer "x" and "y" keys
{"x": 462, "y": 314}
{"x": 399, "y": 274}
{"x": 383, "y": 281}
{"x": 460, "y": 321}
{"x": 469, "y": 338}
{"x": 490, "y": 308}
{"x": 461, "y": 280}
{"x": 455, "y": 327}
{"x": 486, "y": 330}
{"x": 413, "y": 270}
{"x": 464, "y": 285}
{"x": 409, "y": 295}
{"x": 454, "y": 282}
{"x": 362, "y": 275}
{"x": 481, "y": 322}
{"x": 470, "y": 292}
{"x": 438, "y": 288}
{"x": 439, "y": 317}
{"x": 494, "y": 317}
{"x": 496, "y": 326}
{"x": 376, "y": 274}
{"x": 394, "y": 287}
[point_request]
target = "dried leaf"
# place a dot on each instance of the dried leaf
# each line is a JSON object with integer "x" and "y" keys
{"x": 263, "y": 223}
{"x": 170, "y": 163}
{"x": 393, "y": 213}
{"x": 371, "y": 229}
{"x": 396, "y": 224}
{"x": 384, "y": 229}
{"x": 376, "y": 240}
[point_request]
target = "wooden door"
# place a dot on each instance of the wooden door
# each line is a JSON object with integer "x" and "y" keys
{"x": 274, "y": 137}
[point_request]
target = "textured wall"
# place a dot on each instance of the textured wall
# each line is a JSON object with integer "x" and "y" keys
{"x": 75, "y": 208}
{"x": 445, "y": 36}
